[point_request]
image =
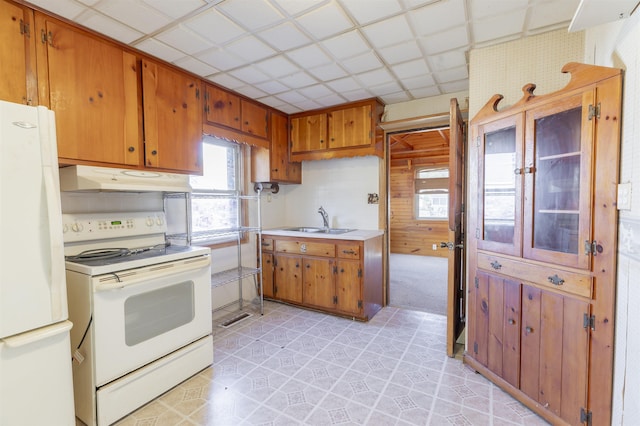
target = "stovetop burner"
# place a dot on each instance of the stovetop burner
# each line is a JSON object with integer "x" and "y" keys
{"x": 112, "y": 253}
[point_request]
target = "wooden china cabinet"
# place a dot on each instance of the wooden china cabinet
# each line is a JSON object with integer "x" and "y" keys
{"x": 543, "y": 223}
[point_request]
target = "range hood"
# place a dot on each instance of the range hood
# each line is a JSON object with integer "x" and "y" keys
{"x": 90, "y": 178}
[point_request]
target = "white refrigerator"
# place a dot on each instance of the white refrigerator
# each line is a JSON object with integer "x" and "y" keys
{"x": 36, "y": 386}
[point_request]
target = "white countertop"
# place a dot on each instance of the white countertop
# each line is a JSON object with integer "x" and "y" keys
{"x": 357, "y": 235}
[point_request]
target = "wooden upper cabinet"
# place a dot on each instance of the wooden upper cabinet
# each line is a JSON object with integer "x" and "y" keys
{"x": 273, "y": 165}
{"x": 92, "y": 85}
{"x": 343, "y": 131}
{"x": 222, "y": 107}
{"x": 172, "y": 118}
{"x": 255, "y": 118}
{"x": 17, "y": 54}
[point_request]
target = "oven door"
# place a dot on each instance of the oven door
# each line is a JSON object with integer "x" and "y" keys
{"x": 140, "y": 315}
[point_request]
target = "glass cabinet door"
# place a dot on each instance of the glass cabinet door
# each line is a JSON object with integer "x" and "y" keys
{"x": 500, "y": 186}
{"x": 558, "y": 183}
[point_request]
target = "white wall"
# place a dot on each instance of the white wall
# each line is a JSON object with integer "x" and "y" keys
{"x": 617, "y": 44}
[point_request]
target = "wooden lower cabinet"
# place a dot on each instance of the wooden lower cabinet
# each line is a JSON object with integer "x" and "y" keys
{"x": 267, "y": 275}
{"x": 338, "y": 277}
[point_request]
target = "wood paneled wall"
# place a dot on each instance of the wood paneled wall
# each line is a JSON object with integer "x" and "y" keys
{"x": 408, "y": 235}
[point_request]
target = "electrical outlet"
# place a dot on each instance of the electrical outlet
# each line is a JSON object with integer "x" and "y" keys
{"x": 435, "y": 247}
{"x": 624, "y": 196}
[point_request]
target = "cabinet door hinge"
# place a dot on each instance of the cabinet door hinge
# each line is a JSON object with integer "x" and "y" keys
{"x": 335, "y": 300}
{"x": 585, "y": 416}
{"x": 359, "y": 304}
{"x": 478, "y": 141}
{"x": 591, "y": 247}
{"x": 25, "y": 29}
{"x": 335, "y": 269}
{"x": 476, "y": 281}
{"x": 589, "y": 321}
{"x": 475, "y": 347}
{"x": 46, "y": 37}
{"x": 359, "y": 273}
{"x": 594, "y": 111}
{"x": 197, "y": 93}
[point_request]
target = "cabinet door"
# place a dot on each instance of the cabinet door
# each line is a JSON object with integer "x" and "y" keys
{"x": 17, "y": 54}
{"x": 222, "y": 107}
{"x": 254, "y": 119}
{"x": 267, "y": 275}
{"x": 318, "y": 288}
{"x": 554, "y": 354}
{"x": 309, "y": 133}
{"x": 288, "y": 278}
{"x": 172, "y": 119}
{"x": 281, "y": 170}
{"x": 558, "y": 202}
{"x": 349, "y": 287}
{"x": 500, "y": 185}
{"x": 350, "y": 127}
{"x": 496, "y": 342}
{"x": 92, "y": 85}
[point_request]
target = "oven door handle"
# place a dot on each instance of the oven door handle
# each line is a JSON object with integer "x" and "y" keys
{"x": 116, "y": 281}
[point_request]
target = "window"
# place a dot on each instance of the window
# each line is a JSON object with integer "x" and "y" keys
{"x": 214, "y": 208}
{"x": 432, "y": 193}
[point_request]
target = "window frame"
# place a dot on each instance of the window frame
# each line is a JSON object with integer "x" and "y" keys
{"x": 442, "y": 189}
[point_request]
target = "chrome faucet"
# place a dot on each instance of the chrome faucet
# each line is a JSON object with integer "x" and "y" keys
{"x": 325, "y": 217}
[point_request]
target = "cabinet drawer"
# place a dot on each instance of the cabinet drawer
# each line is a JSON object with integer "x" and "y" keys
{"x": 267, "y": 244}
{"x": 349, "y": 251}
{"x": 578, "y": 284}
{"x": 306, "y": 247}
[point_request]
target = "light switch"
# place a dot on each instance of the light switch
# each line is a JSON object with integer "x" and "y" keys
{"x": 624, "y": 196}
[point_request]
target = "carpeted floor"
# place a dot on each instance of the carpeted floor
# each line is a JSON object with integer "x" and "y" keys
{"x": 418, "y": 283}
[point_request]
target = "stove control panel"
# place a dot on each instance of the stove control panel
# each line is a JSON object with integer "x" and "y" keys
{"x": 98, "y": 226}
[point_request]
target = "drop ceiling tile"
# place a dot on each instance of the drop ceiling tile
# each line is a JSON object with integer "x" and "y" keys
{"x": 289, "y": 109}
{"x": 368, "y": 11}
{"x": 356, "y": 95}
{"x": 197, "y": 67}
{"x": 109, "y": 27}
{"x": 297, "y": 80}
{"x": 438, "y": 17}
{"x": 308, "y": 105}
{"x": 220, "y": 58}
{"x": 386, "y": 33}
{"x": 425, "y": 92}
{"x": 176, "y": 9}
{"x": 134, "y": 14}
{"x": 250, "y": 92}
{"x": 460, "y": 73}
{"x": 159, "y": 50}
{"x": 443, "y": 61}
{"x": 87, "y": 2}
{"x": 547, "y": 14}
{"x": 278, "y": 66}
{"x": 250, "y": 49}
{"x": 400, "y": 52}
{"x": 272, "y": 101}
{"x": 309, "y": 56}
{"x": 272, "y": 87}
{"x": 375, "y": 78}
{"x": 385, "y": 89}
{"x": 346, "y": 45}
{"x": 455, "y": 86}
{"x": 294, "y": 7}
{"x": 499, "y": 26}
{"x": 291, "y": 97}
{"x": 225, "y": 80}
{"x": 214, "y": 27}
{"x": 362, "y": 63}
{"x": 325, "y": 21}
{"x": 179, "y": 37}
{"x": 251, "y": 14}
{"x": 316, "y": 91}
{"x": 66, "y": 8}
{"x": 454, "y": 38}
{"x": 328, "y": 72}
{"x": 479, "y": 9}
{"x": 410, "y": 4}
{"x": 249, "y": 74}
{"x": 418, "y": 82}
{"x": 411, "y": 69}
{"x": 344, "y": 84}
{"x": 395, "y": 98}
{"x": 284, "y": 37}
{"x": 331, "y": 100}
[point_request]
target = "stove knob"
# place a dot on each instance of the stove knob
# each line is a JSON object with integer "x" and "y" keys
{"x": 159, "y": 221}
{"x": 77, "y": 227}
{"x": 65, "y": 228}
{"x": 149, "y": 221}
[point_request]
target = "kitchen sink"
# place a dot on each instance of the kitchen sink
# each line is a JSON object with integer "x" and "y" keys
{"x": 334, "y": 231}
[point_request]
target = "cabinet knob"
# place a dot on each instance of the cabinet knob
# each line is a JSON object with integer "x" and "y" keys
{"x": 321, "y": 140}
{"x": 308, "y": 266}
{"x": 517, "y": 171}
{"x": 154, "y": 152}
{"x": 528, "y": 330}
{"x": 511, "y": 321}
{"x": 555, "y": 280}
{"x": 496, "y": 265}
{"x": 131, "y": 149}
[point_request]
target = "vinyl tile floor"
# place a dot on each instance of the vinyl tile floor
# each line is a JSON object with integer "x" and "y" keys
{"x": 297, "y": 367}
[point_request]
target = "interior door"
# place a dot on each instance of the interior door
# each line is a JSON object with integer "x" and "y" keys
{"x": 455, "y": 286}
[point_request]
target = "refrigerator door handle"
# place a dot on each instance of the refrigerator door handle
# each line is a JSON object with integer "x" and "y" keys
{"x": 36, "y": 335}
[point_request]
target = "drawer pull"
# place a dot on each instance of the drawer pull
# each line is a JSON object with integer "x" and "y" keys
{"x": 265, "y": 244}
{"x": 349, "y": 251}
{"x": 556, "y": 280}
{"x": 496, "y": 265}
